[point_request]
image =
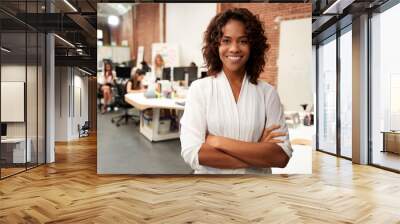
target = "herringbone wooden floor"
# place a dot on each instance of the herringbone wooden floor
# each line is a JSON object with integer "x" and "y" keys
{"x": 70, "y": 191}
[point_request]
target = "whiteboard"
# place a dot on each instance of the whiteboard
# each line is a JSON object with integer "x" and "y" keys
{"x": 121, "y": 54}
{"x": 116, "y": 54}
{"x": 169, "y": 52}
{"x": 12, "y": 101}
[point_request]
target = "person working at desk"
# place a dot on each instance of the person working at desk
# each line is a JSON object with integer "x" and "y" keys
{"x": 158, "y": 66}
{"x": 106, "y": 82}
{"x": 134, "y": 85}
{"x": 233, "y": 123}
{"x": 145, "y": 67}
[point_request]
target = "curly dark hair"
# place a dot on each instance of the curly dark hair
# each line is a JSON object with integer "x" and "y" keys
{"x": 255, "y": 34}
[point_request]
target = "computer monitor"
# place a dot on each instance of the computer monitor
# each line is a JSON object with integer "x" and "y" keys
{"x": 166, "y": 74}
{"x": 192, "y": 71}
{"x": 3, "y": 129}
{"x": 179, "y": 73}
{"x": 123, "y": 72}
{"x": 203, "y": 75}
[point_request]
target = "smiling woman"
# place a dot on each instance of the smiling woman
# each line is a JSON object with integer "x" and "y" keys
{"x": 248, "y": 33}
{"x": 233, "y": 123}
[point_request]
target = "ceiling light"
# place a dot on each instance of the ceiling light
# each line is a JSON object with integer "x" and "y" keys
{"x": 70, "y": 5}
{"x": 337, "y": 7}
{"x": 5, "y": 49}
{"x": 113, "y": 20}
{"x": 86, "y": 72}
{"x": 64, "y": 40}
{"x": 99, "y": 34}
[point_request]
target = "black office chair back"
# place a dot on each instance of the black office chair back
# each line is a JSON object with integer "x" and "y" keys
{"x": 121, "y": 91}
{"x": 86, "y": 125}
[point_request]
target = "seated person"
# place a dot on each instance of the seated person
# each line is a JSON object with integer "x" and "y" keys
{"x": 145, "y": 67}
{"x": 134, "y": 85}
{"x": 106, "y": 81}
{"x": 158, "y": 66}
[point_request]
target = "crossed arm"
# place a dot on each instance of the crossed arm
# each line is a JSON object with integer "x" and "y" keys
{"x": 225, "y": 153}
{"x": 221, "y": 152}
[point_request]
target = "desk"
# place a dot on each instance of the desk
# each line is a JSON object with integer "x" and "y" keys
{"x": 391, "y": 141}
{"x": 140, "y": 102}
{"x": 18, "y": 149}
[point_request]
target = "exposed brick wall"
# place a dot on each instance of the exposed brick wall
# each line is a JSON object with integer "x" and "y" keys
{"x": 115, "y": 34}
{"x": 140, "y": 27}
{"x": 126, "y": 31}
{"x": 146, "y": 28}
{"x": 271, "y": 14}
{"x": 106, "y": 33}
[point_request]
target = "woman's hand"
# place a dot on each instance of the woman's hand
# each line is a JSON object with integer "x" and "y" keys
{"x": 269, "y": 136}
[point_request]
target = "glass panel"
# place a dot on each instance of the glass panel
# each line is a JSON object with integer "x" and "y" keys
{"x": 386, "y": 89}
{"x": 31, "y": 85}
{"x": 41, "y": 98}
{"x": 31, "y": 97}
{"x": 346, "y": 94}
{"x": 23, "y": 85}
{"x": 13, "y": 87}
{"x": 327, "y": 96}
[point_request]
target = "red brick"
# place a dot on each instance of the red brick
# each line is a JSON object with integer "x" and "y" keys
{"x": 267, "y": 14}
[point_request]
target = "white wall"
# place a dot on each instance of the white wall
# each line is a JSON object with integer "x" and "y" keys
{"x": 80, "y": 98}
{"x": 294, "y": 64}
{"x": 33, "y": 126}
{"x": 16, "y": 72}
{"x": 185, "y": 25}
{"x": 71, "y": 96}
{"x": 61, "y": 103}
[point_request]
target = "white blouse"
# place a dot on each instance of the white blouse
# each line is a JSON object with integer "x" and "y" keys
{"x": 211, "y": 108}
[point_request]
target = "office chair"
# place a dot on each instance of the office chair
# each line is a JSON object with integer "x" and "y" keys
{"x": 84, "y": 130}
{"x": 99, "y": 98}
{"x": 120, "y": 103}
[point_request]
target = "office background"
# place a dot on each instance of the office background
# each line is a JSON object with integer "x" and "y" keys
{"x": 288, "y": 28}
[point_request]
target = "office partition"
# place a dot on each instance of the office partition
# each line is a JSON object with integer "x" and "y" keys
{"x": 385, "y": 88}
{"x": 22, "y": 77}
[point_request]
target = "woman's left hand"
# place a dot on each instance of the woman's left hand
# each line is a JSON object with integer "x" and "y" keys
{"x": 270, "y": 136}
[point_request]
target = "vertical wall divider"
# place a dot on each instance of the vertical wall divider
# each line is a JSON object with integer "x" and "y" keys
{"x": 369, "y": 79}
{"x": 69, "y": 91}
{"x": 0, "y": 95}
{"x": 316, "y": 118}
{"x": 338, "y": 81}
{"x": 37, "y": 90}
{"x": 26, "y": 86}
{"x": 73, "y": 92}
{"x": 47, "y": 6}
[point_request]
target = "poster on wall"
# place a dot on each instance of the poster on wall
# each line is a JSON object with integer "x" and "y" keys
{"x": 140, "y": 55}
{"x": 12, "y": 98}
{"x": 168, "y": 51}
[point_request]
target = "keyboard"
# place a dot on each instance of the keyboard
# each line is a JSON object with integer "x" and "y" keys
{"x": 181, "y": 103}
